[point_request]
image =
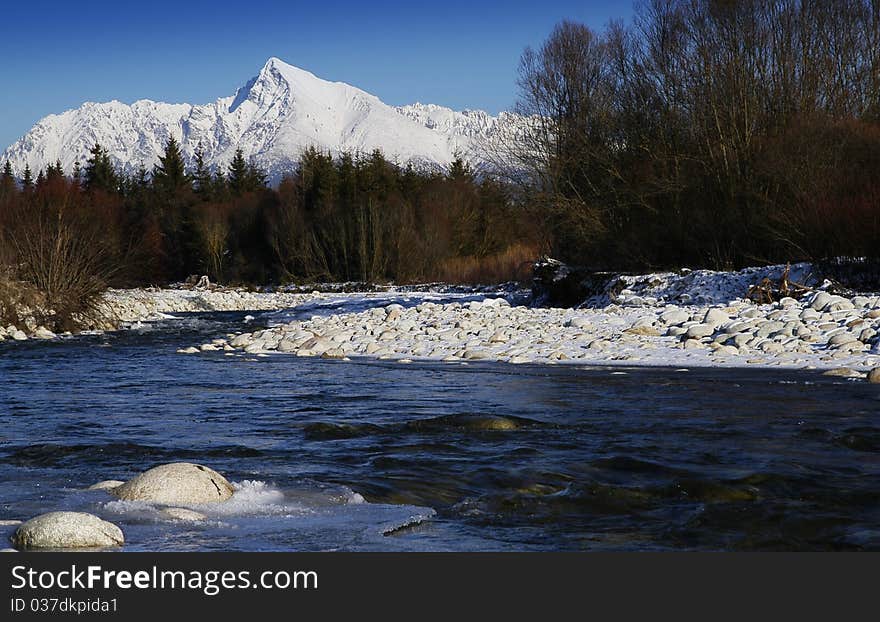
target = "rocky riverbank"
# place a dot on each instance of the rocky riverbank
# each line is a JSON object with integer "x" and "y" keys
{"x": 127, "y": 306}
{"x": 679, "y": 319}
{"x": 821, "y": 330}
{"x": 122, "y": 308}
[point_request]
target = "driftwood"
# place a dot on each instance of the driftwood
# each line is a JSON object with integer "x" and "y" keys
{"x": 767, "y": 291}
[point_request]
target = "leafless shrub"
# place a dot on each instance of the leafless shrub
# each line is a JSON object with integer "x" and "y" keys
{"x": 64, "y": 255}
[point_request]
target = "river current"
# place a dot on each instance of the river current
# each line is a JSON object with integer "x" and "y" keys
{"x": 379, "y": 455}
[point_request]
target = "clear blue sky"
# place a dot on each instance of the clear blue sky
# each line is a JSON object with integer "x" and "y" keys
{"x": 57, "y": 55}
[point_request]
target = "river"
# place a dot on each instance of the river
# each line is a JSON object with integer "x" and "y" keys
{"x": 380, "y": 455}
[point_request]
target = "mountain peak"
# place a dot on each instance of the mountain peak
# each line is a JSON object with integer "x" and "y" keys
{"x": 275, "y": 68}
{"x": 274, "y": 117}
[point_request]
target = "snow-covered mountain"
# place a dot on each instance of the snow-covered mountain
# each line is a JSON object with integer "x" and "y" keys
{"x": 272, "y": 118}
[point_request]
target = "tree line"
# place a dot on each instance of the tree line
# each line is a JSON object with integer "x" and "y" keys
{"x": 712, "y": 133}
{"x": 345, "y": 218}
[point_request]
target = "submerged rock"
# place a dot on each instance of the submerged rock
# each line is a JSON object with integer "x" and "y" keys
{"x": 178, "y": 483}
{"x": 183, "y": 514}
{"x": 67, "y": 530}
{"x": 473, "y": 423}
{"x": 107, "y": 484}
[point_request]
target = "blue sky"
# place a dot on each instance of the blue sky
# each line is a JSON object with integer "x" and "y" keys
{"x": 454, "y": 53}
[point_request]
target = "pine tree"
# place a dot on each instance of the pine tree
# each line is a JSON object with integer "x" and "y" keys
{"x": 141, "y": 180}
{"x": 99, "y": 172}
{"x": 27, "y": 182}
{"x": 238, "y": 173}
{"x": 256, "y": 177}
{"x": 459, "y": 170}
{"x": 41, "y": 180}
{"x": 201, "y": 175}
{"x": 170, "y": 174}
{"x": 55, "y": 171}
{"x": 7, "y": 180}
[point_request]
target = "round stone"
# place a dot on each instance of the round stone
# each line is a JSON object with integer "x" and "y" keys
{"x": 178, "y": 483}
{"x": 67, "y": 530}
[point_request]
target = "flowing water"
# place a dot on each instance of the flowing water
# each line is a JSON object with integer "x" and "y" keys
{"x": 379, "y": 455}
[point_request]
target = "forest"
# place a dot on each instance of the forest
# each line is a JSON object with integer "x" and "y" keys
{"x": 704, "y": 133}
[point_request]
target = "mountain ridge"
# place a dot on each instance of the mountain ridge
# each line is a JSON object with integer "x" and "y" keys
{"x": 273, "y": 118}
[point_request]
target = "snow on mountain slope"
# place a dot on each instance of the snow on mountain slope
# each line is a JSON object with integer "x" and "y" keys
{"x": 273, "y": 118}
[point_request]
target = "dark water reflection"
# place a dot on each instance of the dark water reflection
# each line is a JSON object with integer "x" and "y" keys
{"x": 509, "y": 457}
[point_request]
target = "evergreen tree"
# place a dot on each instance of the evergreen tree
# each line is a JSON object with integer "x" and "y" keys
{"x": 141, "y": 178}
{"x": 55, "y": 171}
{"x": 459, "y": 170}
{"x": 238, "y": 173}
{"x": 41, "y": 180}
{"x": 256, "y": 177}
{"x": 27, "y": 182}
{"x": 7, "y": 180}
{"x": 219, "y": 186}
{"x": 201, "y": 175}
{"x": 170, "y": 174}
{"x": 244, "y": 176}
{"x": 99, "y": 172}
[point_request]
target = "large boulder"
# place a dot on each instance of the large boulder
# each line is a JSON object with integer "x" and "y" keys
{"x": 555, "y": 284}
{"x": 67, "y": 530}
{"x": 178, "y": 483}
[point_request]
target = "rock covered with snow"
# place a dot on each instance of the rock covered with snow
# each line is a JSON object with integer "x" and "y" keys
{"x": 845, "y": 332}
{"x": 139, "y": 305}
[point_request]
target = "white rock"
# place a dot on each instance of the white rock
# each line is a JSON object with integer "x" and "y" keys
{"x": 67, "y": 530}
{"x": 715, "y": 317}
{"x": 178, "y": 483}
{"x": 43, "y": 333}
{"x": 287, "y": 345}
{"x": 697, "y": 331}
{"x": 579, "y": 322}
{"x": 241, "y": 341}
{"x": 842, "y": 338}
{"x": 820, "y": 300}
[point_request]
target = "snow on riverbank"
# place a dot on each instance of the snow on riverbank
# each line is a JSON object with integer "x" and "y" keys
{"x": 699, "y": 287}
{"x": 140, "y": 305}
{"x": 822, "y": 331}
{"x": 122, "y": 308}
{"x": 678, "y": 319}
